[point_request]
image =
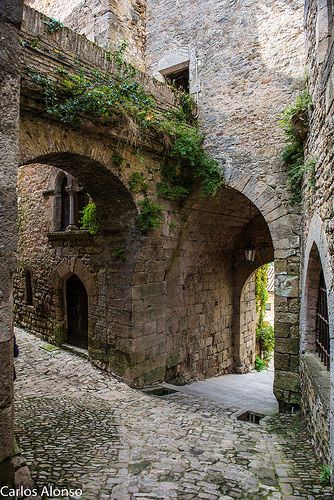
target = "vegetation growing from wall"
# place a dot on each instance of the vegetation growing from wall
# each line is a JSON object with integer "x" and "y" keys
{"x": 137, "y": 183}
{"x": 264, "y": 331}
{"x": 70, "y": 97}
{"x": 150, "y": 215}
{"x": 53, "y": 25}
{"x": 119, "y": 253}
{"x": 261, "y": 293}
{"x": 294, "y": 122}
{"x": 89, "y": 219}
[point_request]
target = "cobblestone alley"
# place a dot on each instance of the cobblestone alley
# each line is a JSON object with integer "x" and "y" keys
{"x": 80, "y": 428}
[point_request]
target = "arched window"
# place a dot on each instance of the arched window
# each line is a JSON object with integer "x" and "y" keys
{"x": 28, "y": 287}
{"x": 65, "y": 205}
{"x": 322, "y": 324}
{"x": 317, "y": 323}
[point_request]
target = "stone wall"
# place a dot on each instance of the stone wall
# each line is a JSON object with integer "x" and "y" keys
{"x": 248, "y": 322}
{"x": 10, "y": 20}
{"x": 318, "y": 208}
{"x": 160, "y": 315}
{"x": 104, "y": 22}
{"x": 246, "y": 63}
{"x": 315, "y": 387}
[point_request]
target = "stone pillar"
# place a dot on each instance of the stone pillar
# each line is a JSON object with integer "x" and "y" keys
{"x": 10, "y": 19}
{"x": 72, "y": 193}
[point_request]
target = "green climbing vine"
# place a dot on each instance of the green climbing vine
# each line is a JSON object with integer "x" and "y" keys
{"x": 294, "y": 122}
{"x": 261, "y": 293}
{"x": 264, "y": 331}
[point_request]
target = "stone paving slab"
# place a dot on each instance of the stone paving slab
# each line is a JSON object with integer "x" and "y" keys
{"x": 80, "y": 427}
{"x": 252, "y": 391}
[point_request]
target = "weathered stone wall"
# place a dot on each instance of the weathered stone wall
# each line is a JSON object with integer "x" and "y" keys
{"x": 246, "y": 62}
{"x": 248, "y": 321}
{"x": 104, "y": 22}
{"x": 315, "y": 388}
{"x": 318, "y": 207}
{"x": 10, "y": 20}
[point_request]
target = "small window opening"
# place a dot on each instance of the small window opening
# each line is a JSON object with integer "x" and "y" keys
{"x": 28, "y": 287}
{"x": 180, "y": 79}
{"x": 322, "y": 323}
{"x": 65, "y": 206}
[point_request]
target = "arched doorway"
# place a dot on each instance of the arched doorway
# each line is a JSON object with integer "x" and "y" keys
{"x": 77, "y": 312}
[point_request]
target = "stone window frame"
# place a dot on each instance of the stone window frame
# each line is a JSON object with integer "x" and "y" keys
{"x": 55, "y": 190}
{"x": 324, "y": 27}
{"x": 316, "y": 257}
{"x": 176, "y": 60}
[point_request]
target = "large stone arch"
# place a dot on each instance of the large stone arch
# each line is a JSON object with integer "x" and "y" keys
{"x": 284, "y": 224}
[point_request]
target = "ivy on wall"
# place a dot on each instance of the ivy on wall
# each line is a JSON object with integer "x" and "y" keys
{"x": 100, "y": 95}
{"x": 264, "y": 331}
{"x": 89, "y": 219}
{"x": 294, "y": 122}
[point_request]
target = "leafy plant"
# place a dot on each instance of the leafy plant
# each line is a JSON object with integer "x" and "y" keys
{"x": 137, "y": 183}
{"x": 117, "y": 160}
{"x": 89, "y": 219}
{"x": 53, "y": 25}
{"x": 119, "y": 253}
{"x": 293, "y": 153}
{"x": 172, "y": 192}
{"x": 260, "y": 364}
{"x": 265, "y": 336}
{"x": 261, "y": 293}
{"x": 325, "y": 474}
{"x": 150, "y": 215}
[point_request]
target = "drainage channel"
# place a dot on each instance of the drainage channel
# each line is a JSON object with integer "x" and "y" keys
{"x": 159, "y": 391}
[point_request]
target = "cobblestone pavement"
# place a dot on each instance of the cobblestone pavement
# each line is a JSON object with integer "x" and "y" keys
{"x": 80, "y": 428}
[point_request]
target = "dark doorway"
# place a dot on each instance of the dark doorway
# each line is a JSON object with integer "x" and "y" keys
{"x": 77, "y": 312}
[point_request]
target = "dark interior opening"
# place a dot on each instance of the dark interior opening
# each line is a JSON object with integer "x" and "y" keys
{"x": 180, "y": 79}
{"x": 77, "y": 312}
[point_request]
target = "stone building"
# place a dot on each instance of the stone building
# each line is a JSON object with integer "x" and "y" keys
{"x": 175, "y": 309}
{"x": 317, "y": 244}
{"x": 10, "y": 20}
{"x": 178, "y": 303}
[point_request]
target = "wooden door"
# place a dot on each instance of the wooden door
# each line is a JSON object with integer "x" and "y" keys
{"x": 77, "y": 312}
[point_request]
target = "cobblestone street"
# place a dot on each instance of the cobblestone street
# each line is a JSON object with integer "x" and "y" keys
{"x": 80, "y": 428}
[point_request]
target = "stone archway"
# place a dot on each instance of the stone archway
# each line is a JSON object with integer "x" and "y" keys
{"x": 284, "y": 224}
{"x": 65, "y": 271}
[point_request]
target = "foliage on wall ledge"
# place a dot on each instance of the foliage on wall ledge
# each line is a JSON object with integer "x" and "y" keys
{"x": 89, "y": 219}
{"x": 150, "y": 215}
{"x": 294, "y": 122}
{"x": 101, "y": 96}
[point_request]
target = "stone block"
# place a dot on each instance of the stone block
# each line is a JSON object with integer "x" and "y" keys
{"x": 290, "y": 346}
{"x": 281, "y": 361}
{"x": 6, "y": 373}
{"x": 286, "y": 381}
{"x": 6, "y": 432}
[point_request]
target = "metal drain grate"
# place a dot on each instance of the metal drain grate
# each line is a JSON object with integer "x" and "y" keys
{"x": 159, "y": 391}
{"x": 250, "y": 416}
